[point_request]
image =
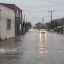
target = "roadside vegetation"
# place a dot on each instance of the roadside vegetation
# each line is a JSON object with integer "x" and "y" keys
{"x": 51, "y": 25}
{"x": 29, "y": 25}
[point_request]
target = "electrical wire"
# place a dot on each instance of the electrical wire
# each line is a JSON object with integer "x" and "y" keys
{"x": 43, "y": 11}
{"x": 43, "y": 6}
{"x": 54, "y": 2}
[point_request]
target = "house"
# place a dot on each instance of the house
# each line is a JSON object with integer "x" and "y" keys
{"x": 62, "y": 21}
{"x": 62, "y": 25}
{"x": 7, "y": 22}
{"x": 59, "y": 24}
{"x": 18, "y": 17}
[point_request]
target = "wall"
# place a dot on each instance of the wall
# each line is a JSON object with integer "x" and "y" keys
{"x": 7, "y": 13}
{"x": 18, "y": 20}
{"x": 62, "y": 21}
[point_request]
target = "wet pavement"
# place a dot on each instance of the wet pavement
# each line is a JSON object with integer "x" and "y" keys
{"x": 33, "y": 48}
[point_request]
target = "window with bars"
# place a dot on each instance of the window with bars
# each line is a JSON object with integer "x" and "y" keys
{"x": 8, "y": 24}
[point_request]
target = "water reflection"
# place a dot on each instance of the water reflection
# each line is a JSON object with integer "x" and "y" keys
{"x": 9, "y": 51}
{"x": 2, "y": 50}
{"x": 40, "y": 37}
{"x": 40, "y": 34}
{"x": 40, "y": 49}
{"x": 43, "y": 45}
{"x": 46, "y": 37}
{"x": 42, "y": 52}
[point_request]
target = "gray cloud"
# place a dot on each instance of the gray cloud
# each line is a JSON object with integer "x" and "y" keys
{"x": 35, "y": 10}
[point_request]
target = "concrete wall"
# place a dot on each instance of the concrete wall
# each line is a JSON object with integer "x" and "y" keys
{"x": 7, "y": 13}
{"x": 18, "y": 20}
{"x": 62, "y": 21}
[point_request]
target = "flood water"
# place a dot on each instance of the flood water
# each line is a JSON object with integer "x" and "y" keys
{"x": 33, "y": 48}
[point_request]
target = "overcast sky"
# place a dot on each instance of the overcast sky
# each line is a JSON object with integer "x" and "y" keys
{"x": 35, "y": 10}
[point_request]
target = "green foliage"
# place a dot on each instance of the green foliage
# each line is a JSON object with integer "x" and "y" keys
{"x": 55, "y": 29}
{"x": 51, "y": 25}
{"x": 29, "y": 25}
{"x": 38, "y": 25}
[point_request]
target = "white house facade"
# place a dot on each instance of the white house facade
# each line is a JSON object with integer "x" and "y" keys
{"x": 7, "y": 23}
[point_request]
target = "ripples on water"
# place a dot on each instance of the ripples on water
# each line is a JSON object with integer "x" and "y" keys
{"x": 42, "y": 44}
{"x": 2, "y": 50}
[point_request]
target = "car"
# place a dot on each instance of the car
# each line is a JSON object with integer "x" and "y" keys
{"x": 42, "y": 31}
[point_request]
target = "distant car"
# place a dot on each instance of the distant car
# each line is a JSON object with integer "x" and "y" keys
{"x": 42, "y": 30}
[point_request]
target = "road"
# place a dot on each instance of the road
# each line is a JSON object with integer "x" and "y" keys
{"x": 33, "y": 48}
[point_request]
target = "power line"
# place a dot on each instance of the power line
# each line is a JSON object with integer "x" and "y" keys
{"x": 43, "y": 11}
{"x": 43, "y": 6}
{"x": 58, "y": 3}
{"x": 53, "y": 2}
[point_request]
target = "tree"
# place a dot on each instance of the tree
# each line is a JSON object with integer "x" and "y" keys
{"x": 29, "y": 25}
{"x": 38, "y": 25}
{"x": 51, "y": 25}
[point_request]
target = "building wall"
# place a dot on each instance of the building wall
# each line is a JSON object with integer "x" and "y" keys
{"x": 7, "y": 13}
{"x": 62, "y": 21}
{"x": 18, "y": 20}
{"x": 57, "y": 22}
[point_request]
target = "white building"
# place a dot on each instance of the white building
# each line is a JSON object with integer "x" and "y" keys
{"x": 7, "y": 23}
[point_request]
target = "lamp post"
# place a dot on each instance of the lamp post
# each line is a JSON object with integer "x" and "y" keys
{"x": 0, "y": 23}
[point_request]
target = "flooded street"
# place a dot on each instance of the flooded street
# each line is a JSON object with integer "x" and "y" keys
{"x": 33, "y": 48}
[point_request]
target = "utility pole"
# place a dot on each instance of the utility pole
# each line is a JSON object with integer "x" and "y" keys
{"x": 51, "y": 14}
{"x": 24, "y": 17}
{"x": 0, "y": 15}
{"x": 0, "y": 23}
{"x": 26, "y": 20}
{"x": 24, "y": 25}
{"x": 42, "y": 20}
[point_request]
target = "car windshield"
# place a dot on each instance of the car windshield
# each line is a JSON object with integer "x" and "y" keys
{"x": 42, "y": 29}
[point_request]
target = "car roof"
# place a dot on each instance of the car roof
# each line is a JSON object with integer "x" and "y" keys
{"x": 42, "y": 29}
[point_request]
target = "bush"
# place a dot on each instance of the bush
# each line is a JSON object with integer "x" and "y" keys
{"x": 55, "y": 29}
{"x": 51, "y": 25}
